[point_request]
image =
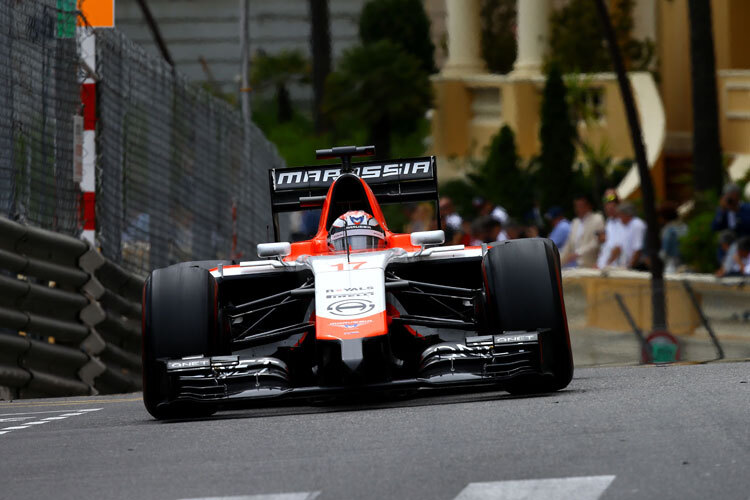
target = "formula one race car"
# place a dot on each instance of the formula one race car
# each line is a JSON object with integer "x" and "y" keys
{"x": 357, "y": 307}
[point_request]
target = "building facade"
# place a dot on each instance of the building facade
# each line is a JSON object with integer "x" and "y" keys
{"x": 471, "y": 104}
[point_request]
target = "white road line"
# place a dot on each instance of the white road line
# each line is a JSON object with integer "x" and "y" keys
{"x": 41, "y": 412}
{"x": 568, "y": 488}
{"x": 303, "y": 495}
{"x": 15, "y": 419}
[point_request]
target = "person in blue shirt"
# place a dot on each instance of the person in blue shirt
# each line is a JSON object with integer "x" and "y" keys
{"x": 732, "y": 214}
{"x": 560, "y": 226}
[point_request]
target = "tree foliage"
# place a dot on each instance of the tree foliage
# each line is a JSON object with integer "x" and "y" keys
{"x": 382, "y": 86}
{"x": 279, "y": 71}
{"x": 404, "y": 23}
{"x": 557, "y": 135}
{"x": 577, "y": 43}
{"x": 499, "y": 47}
{"x": 500, "y": 178}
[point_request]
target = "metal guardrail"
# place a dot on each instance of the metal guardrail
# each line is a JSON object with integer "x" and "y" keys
{"x": 69, "y": 318}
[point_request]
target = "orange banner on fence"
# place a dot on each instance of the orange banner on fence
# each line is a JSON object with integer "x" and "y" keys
{"x": 97, "y": 13}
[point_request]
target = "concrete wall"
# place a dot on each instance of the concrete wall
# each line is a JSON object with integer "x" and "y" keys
{"x": 199, "y": 28}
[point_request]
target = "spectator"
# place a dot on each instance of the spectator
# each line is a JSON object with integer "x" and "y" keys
{"x": 633, "y": 234}
{"x": 728, "y": 248}
{"x": 512, "y": 230}
{"x": 422, "y": 219}
{"x": 582, "y": 245}
{"x": 534, "y": 217}
{"x": 732, "y": 212}
{"x": 466, "y": 233}
{"x": 672, "y": 230}
{"x": 492, "y": 229}
{"x": 612, "y": 234}
{"x": 560, "y": 226}
{"x": 478, "y": 232}
{"x": 485, "y": 207}
{"x": 742, "y": 257}
{"x": 449, "y": 215}
{"x": 531, "y": 230}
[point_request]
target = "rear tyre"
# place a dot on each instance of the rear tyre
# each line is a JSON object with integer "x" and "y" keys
{"x": 180, "y": 318}
{"x": 524, "y": 292}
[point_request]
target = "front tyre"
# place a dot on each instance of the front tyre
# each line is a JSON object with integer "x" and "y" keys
{"x": 180, "y": 318}
{"x": 524, "y": 292}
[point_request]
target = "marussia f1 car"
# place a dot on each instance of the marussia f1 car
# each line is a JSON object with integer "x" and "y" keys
{"x": 357, "y": 307}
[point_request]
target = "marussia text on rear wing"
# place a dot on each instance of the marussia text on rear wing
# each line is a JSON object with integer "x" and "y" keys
{"x": 392, "y": 181}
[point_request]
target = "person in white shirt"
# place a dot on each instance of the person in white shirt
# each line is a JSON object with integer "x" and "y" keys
{"x": 493, "y": 229}
{"x": 632, "y": 237}
{"x": 613, "y": 232}
{"x": 448, "y": 212}
{"x": 582, "y": 245}
{"x": 485, "y": 207}
{"x": 742, "y": 257}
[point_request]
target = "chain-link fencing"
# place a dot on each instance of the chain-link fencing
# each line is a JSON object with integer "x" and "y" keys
{"x": 180, "y": 177}
{"x": 39, "y": 96}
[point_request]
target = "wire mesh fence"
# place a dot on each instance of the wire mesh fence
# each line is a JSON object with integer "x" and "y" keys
{"x": 39, "y": 96}
{"x": 180, "y": 177}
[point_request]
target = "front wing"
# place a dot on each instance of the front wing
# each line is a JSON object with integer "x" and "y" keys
{"x": 479, "y": 360}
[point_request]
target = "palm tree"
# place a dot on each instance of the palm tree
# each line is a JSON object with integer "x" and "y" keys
{"x": 706, "y": 146}
{"x": 279, "y": 71}
{"x": 653, "y": 243}
{"x": 320, "y": 45}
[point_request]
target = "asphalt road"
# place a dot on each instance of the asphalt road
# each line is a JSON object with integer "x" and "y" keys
{"x": 618, "y": 432}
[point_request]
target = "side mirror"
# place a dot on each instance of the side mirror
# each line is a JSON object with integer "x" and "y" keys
{"x": 270, "y": 250}
{"x": 427, "y": 238}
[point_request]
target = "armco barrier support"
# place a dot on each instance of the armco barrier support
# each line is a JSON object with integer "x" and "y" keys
{"x": 69, "y": 318}
{"x": 602, "y": 310}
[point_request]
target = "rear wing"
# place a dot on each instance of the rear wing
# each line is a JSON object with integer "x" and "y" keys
{"x": 392, "y": 181}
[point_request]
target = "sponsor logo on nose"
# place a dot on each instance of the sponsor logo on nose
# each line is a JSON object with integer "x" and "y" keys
{"x": 351, "y": 307}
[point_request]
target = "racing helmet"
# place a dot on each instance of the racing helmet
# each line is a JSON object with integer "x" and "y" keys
{"x": 357, "y": 229}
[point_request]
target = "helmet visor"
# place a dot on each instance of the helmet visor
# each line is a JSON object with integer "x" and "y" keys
{"x": 357, "y": 239}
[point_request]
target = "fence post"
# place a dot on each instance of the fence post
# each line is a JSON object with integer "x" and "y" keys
{"x": 87, "y": 45}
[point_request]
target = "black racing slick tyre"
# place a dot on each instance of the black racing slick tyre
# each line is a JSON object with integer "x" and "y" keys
{"x": 524, "y": 292}
{"x": 180, "y": 318}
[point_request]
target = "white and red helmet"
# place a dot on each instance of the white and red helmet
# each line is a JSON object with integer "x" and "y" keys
{"x": 357, "y": 229}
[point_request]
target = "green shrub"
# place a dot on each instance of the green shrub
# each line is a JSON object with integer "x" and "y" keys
{"x": 557, "y": 135}
{"x": 698, "y": 246}
{"x": 500, "y": 178}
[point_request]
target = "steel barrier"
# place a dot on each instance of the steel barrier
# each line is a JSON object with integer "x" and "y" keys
{"x": 69, "y": 318}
